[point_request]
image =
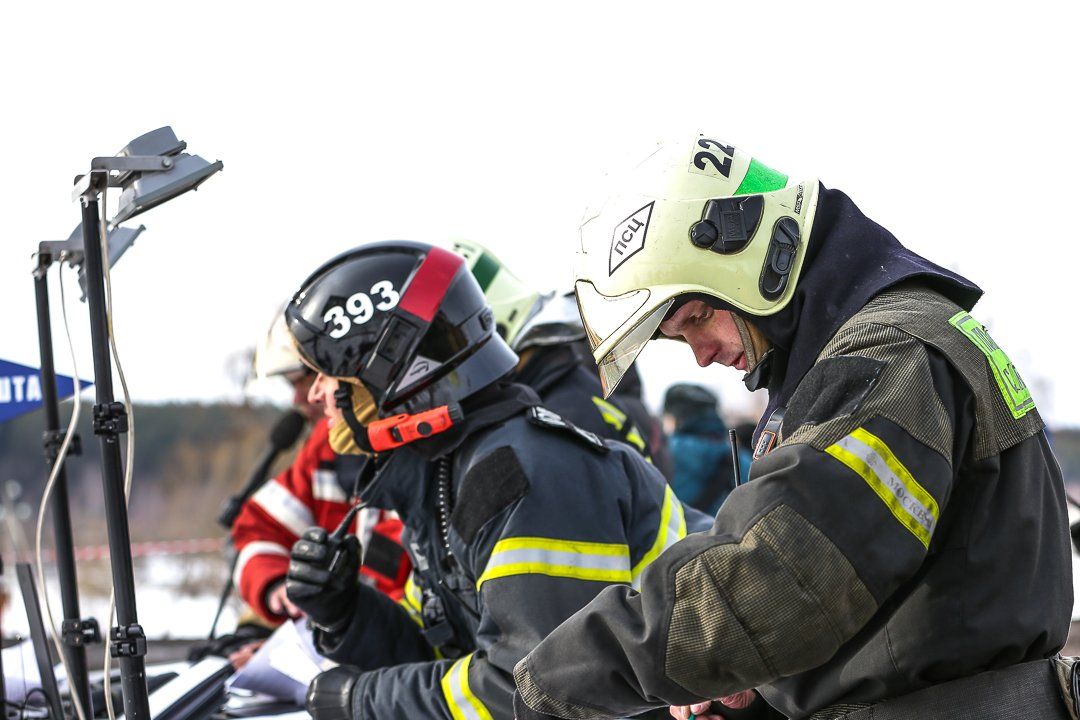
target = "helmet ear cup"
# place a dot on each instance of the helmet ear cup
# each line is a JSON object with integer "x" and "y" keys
{"x": 727, "y": 224}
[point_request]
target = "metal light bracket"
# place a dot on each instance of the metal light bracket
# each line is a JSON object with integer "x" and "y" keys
{"x": 89, "y": 186}
{"x": 53, "y": 439}
{"x": 127, "y": 641}
{"x": 78, "y": 633}
{"x": 110, "y": 419}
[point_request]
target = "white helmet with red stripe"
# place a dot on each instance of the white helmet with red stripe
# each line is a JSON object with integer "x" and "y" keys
{"x": 406, "y": 319}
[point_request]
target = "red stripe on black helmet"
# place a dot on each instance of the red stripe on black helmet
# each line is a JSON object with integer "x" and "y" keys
{"x": 430, "y": 283}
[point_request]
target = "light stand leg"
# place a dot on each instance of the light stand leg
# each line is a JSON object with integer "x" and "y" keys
{"x": 226, "y": 591}
{"x": 110, "y": 421}
{"x": 76, "y": 632}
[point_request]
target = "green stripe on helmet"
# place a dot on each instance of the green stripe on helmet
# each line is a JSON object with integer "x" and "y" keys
{"x": 484, "y": 270}
{"x": 761, "y": 178}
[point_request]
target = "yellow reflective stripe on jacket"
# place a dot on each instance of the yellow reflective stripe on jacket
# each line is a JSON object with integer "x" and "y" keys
{"x": 872, "y": 459}
{"x": 412, "y": 600}
{"x": 463, "y": 704}
{"x": 616, "y": 418}
{"x": 672, "y": 530}
{"x": 603, "y": 562}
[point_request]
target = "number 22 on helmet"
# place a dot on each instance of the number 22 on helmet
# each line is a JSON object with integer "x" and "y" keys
{"x": 695, "y": 219}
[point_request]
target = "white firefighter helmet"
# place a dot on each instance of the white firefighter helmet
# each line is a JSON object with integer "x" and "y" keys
{"x": 556, "y": 322}
{"x": 696, "y": 217}
{"x": 276, "y": 354}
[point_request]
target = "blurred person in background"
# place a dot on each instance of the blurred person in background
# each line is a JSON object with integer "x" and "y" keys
{"x": 315, "y": 490}
{"x": 700, "y": 447}
{"x": 546, "y": 333}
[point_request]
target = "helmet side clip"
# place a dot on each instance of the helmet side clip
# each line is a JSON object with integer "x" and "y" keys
{"x": 783, "y": 247}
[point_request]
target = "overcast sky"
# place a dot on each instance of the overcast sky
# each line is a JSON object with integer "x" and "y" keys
{"x": 952, "y": 124}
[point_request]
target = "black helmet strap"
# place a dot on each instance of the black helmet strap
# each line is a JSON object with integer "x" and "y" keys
{"x": 343, "y": 399}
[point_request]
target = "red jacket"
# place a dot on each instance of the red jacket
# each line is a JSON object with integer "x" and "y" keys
{"x": 304, "y": 495}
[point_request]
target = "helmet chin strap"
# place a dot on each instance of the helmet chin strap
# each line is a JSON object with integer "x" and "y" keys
{"x": 393, "y": 432}
{"x": 758, "y": 351}
{"x": 343, "y": 400}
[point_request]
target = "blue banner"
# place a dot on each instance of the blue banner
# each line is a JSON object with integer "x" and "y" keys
{"x": 20, "y": 389}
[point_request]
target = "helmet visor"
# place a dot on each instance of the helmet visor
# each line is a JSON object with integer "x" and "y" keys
{"x": 605, "y": 316}
{"x": 622, "y": 354}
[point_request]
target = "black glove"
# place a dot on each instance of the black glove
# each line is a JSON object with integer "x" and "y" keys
{"x": 329, "y": 697}
{"x": 322, "y": 579}
{"x": 524, "y": 712}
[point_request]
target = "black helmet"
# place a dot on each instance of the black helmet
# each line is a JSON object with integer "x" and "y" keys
{"x": 406, "y": 319}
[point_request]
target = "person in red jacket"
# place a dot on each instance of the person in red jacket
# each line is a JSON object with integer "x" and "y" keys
{"x": 315, "y": 490}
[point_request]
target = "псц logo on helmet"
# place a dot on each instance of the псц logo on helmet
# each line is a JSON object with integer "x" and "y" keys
{"x": 629, "y": 237}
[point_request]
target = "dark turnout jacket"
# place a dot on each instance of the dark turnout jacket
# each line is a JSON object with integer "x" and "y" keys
{"x": 908, "y": 529}
{"x": 566, "y": 381}
{"x": 539, "y": 516}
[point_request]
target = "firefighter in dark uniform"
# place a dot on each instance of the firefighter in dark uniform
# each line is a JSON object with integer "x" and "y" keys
{"x": 546, "y": 333}
{"x": 901, "y": 549}
{"x": 514, "y": 517}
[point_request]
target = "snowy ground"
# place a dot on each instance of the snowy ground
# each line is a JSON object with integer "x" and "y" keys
{"x": 177, "y": 596}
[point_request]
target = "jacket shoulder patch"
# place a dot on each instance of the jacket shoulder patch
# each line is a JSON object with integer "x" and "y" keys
{"x": 491, "y": 485}
{"x": 833, "y": 388}
{"x": 545, "y": 418}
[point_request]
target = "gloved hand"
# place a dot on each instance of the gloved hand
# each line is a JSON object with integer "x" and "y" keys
{"x": 322, "y": 579}
{"x": 329, "y": 696}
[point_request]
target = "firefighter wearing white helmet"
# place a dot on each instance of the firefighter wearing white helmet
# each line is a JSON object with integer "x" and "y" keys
{"x": 276, "y": 357}
{"x": 901, "y": 549}
{"x": 700, "y": 218}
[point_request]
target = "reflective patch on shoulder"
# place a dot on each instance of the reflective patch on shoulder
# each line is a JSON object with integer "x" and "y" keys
{"x": 1013, "y": 390}
{"x": 547, "y": 419}
{"x": 869, "y": 457}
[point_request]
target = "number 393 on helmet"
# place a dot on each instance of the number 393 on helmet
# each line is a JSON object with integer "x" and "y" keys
{"x": 406, "y": 319}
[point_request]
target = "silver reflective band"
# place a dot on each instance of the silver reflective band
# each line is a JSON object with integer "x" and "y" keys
{"x": 871, "y": 459}
{"x": 284, "y": 507}
{"x": 601, "y": 562}
{"x": 463, "y": 703}
{"x": 325, "y": 486}
{"x": 672, "y": 530}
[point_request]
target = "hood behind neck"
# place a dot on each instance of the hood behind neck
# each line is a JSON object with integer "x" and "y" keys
{"x": 849, "y": 260}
